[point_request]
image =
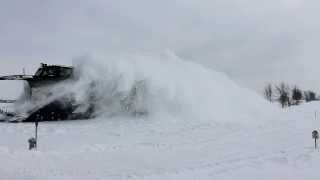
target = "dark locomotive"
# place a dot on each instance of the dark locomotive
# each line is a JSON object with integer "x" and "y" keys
{"x": 38, "y": 89}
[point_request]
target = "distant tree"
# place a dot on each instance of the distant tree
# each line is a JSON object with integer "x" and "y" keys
{"x": 284, "y": 99}
{"x": 306, "y": 96}
{"x": 313, "y": 96}
{"x": 283, "y": 94}
{"x": 310, "y": 96}
{"x": 287, "y": 96}
{"x": 296, "y": 95}
{"x": 268, "y": 92}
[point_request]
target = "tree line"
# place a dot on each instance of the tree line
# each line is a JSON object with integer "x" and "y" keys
{"x": 288, "y": 95}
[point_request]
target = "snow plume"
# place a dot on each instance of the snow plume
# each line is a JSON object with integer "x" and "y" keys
{"x": 109, "y": 88}
{"x": 161, "y": 85}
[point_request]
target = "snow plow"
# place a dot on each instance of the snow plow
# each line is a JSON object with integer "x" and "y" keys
{"x": 38, "y": 103}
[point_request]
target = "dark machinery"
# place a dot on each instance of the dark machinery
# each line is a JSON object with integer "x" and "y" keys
{"x": 39, "y": 103}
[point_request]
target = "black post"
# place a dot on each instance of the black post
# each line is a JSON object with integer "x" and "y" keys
{"x": 36, "y": 124}
{"x": 315, "y": 136}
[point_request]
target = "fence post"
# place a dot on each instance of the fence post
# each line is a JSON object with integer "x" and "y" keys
{"x": 315, "y": 136}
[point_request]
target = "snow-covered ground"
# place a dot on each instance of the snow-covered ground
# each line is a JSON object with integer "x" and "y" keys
{"x": 200, "y": 126}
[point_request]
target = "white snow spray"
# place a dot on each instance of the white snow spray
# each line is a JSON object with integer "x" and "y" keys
{"x": 156, "y": 85}
{"x": 161, "y": 85}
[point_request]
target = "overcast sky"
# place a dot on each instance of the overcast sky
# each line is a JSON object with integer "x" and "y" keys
{"x": 253, "y": 41}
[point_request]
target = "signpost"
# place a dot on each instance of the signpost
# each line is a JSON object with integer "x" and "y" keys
{"x": 315, "y": 136}
{"x": 36, "y": 124}
{"x": 33, "y": 142}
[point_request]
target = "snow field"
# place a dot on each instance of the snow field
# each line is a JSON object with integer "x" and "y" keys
{"x": 200, "y": 125}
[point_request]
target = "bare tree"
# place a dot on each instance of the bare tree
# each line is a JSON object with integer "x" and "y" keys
{"x": 287, "y": 96}
{"x": 283, "y": 94}
{"x": 268, "y": 92}
{"x": 296, "y": 95}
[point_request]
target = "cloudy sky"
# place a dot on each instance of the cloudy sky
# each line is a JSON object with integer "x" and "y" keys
{"x": 253, "y": 41}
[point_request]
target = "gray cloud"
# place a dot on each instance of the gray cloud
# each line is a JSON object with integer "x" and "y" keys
{"x": 252, "y": 41}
